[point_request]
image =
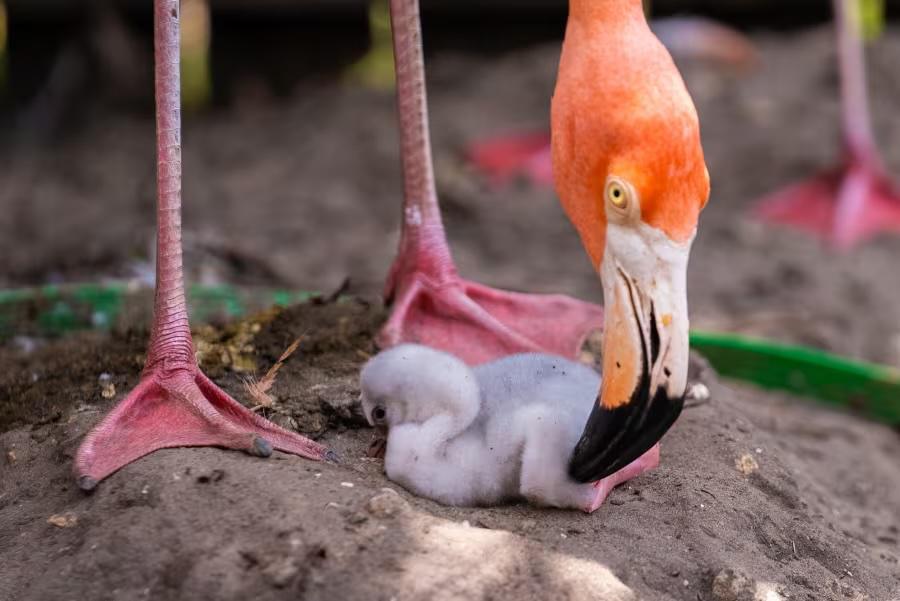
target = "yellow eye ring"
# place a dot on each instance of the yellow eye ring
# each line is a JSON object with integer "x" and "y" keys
{"x": 622, "y": 202}
{"x": 617, "y": 195}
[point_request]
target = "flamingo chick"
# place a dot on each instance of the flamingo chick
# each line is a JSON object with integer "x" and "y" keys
{"x": 481, "y": 436}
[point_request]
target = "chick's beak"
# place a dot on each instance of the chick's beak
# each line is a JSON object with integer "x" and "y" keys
{"x": 645, "y": 358}
{"x": 378, "y": 446}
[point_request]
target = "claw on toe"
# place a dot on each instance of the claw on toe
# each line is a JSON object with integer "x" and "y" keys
{"x": 261, "y": 447}
{"x": 86, "y": 483}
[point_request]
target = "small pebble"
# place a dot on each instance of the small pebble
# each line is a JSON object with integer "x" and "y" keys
{"x": 358, "y": 518}
{"x": 11, "y": 457}
{"x": 386, "y": 504}
{"x": 66, "y": 520}
{"x": 347, "y": 484}
{"x": 25, "y": 344}
{"x": 746, "y": 464}
{"x": 213, "y": 476}
{"x": 732, "y": 585}
{"x": 107, "y": 388}
{"x": 698, "y": 391}
{"x": 282, "y": 572}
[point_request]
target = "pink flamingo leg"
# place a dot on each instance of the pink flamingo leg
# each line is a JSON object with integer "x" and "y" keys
{"x": 431, "y": 304}
{"x": 856, "y": 200}
{"x": 174, "y": 404}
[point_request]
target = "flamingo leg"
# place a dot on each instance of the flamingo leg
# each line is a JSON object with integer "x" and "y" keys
{"x": 174, "y": 404}
{"x": 857, "y": 199}
{"x": 432, "y": 304}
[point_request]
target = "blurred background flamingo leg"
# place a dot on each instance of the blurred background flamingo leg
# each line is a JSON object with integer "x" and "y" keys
{"x": 855, "y": 200}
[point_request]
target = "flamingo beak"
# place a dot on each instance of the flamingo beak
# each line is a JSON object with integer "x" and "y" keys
{"x": 645, "y": 351}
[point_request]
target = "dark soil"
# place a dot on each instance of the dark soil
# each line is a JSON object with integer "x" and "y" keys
{"x": 305, "y": 192}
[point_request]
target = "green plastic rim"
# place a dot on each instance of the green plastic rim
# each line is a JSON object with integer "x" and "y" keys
{"x": 867, "y": 388}
{"x": 50, "y": 311}
{"x": 870, "y": 389}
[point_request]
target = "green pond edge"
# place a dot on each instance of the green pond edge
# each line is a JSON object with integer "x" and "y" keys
{"x": 870, "y": 389}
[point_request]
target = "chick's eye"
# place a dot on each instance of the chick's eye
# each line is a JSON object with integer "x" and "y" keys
{"x": 378, "y": 413}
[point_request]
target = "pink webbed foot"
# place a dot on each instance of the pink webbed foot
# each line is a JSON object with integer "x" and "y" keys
{"x": 179, "y": 408}
{"x": 480, "y": 324}
{"x": 844, "y": 206}
{"x": 600, "y": 490}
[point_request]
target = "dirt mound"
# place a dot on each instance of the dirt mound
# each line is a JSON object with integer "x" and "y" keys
{"x": 756, "y": 494}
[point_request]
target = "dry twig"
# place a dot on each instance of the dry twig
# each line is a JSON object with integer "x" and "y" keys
{"x": 259, "y": 389}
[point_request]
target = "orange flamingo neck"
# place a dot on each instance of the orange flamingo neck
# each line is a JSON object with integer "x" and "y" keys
{"x": 611, "y": 11}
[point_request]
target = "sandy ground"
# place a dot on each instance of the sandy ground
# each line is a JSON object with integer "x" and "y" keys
{"x": 756, "y": 493}
{"x": 306, "y": 192}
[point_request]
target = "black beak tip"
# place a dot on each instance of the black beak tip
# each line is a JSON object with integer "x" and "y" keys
{"x": 613, "y": 438}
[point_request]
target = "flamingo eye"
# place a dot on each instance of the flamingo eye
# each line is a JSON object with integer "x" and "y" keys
{"x": 621, "y": 199}
{"x": 616, "y": 194}
{"x": 378, "y": 414}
